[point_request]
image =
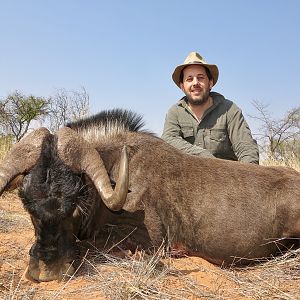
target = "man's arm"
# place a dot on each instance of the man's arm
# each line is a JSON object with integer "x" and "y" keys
{"x": 173, "y": 136}
{"x": 244, "y": 146}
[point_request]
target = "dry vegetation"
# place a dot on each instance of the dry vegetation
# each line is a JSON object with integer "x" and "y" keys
{"x": 119, "y": 274}
{"x": 291, "y": 162}
{"x": 5, "y": 145}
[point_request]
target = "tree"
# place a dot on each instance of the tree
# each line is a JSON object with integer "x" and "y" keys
{"x": 17, "y": 112}
{"x": 66, "y": 106}
{"x": 278, "y": 138}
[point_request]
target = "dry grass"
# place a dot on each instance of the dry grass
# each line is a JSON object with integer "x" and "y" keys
{"x": 109, "y": 277}
{"x": 137, "y": 277}
{"x": 278, "y": 278}
{"x": 291, "y": 162}
{"x": 121, "y": 276}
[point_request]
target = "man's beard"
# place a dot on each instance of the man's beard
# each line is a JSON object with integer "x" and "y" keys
{"x": 199, "y": 101}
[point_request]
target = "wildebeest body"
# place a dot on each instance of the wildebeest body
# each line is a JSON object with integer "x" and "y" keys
{"x": 220, "y": 209}
{"x": 217, "y": 209}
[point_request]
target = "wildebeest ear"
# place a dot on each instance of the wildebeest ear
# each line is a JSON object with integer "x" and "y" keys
{"x": 15, "y": 183}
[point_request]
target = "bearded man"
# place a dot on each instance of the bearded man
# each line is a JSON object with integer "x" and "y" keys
{"x": 204, "y": 122}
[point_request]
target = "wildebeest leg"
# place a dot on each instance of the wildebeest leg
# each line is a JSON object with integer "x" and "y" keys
{"x": 292, "y": 233}
{"x": 289, "y": 230}
{"x": 154, "y": 226}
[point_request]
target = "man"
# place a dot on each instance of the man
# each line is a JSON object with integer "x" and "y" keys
{"x": 204, "y": 122}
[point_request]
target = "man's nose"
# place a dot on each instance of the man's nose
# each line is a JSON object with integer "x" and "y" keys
{"x": 195, "y": 81}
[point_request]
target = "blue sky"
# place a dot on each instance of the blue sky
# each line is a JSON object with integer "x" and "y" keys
{"x": 124, "y": 52}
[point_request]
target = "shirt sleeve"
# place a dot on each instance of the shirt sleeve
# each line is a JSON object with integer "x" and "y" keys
{"x": 243, "y": 144}
{"x": 172, "y": 135}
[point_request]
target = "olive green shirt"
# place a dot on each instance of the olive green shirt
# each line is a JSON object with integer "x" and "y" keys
{"x": 222, "y": 132}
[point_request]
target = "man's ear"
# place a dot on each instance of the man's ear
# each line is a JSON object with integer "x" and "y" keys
{"x": 211, "y": 83}
{"x": 181, "y": 86}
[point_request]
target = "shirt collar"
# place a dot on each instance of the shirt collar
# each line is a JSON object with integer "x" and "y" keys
{"x": 217, "y": 99}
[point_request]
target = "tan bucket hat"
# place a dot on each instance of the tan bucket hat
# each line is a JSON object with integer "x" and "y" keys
{"x": 195, "y": 58}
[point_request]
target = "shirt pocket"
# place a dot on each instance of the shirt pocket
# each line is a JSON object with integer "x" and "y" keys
{"x": 219, "y": 141}
{"x": 218, "y": 135}
{"x": 188, "y": 133}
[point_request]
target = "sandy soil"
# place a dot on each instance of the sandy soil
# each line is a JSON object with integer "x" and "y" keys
{"x": 131, "y": 277}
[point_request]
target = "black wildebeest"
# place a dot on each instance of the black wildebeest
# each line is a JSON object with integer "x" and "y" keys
{"x": 217, "y": 209}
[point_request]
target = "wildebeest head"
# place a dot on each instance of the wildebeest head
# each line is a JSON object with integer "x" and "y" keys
{"x": 50, "y": 193}
{"x": 53, "y": 186}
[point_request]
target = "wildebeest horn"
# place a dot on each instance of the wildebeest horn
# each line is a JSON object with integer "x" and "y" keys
{"x": 80, "y": 156}
{"x": 22, "y": 157}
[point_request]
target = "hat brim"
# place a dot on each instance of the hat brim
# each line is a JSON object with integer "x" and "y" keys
{"x": 214, "y": 71}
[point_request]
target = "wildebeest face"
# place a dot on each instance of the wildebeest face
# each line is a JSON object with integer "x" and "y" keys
{"x": 50, "y": 195}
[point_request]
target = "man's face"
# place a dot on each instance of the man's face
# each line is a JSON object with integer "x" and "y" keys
{"x": 196, "y": 85}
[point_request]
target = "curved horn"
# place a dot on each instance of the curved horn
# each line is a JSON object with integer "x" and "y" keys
{"x": 80, "y": 156}
{"x": 22, "y": 157}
